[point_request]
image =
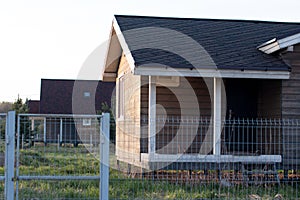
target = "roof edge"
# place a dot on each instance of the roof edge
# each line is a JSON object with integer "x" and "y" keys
{"x": 123, "y": 43}
{"x": 124, "y": 47}
{"x": 55, "y": 79}
{"x": 208, "y": 19}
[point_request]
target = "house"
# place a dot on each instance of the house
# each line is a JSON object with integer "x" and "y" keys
{"x": 60, "y": 96}
{"x": 191, "y": 92}
{"x": 33, "y": 106}
{"x": 61, "y": 100}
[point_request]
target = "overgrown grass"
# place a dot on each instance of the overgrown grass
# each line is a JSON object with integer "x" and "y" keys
{"x": 146, "y": 189}
{"x": 50, "y": 160}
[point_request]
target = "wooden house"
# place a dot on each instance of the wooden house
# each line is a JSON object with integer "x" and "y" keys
{"x": 192, "y": 91}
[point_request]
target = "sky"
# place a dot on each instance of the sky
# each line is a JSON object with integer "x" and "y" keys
{"x": 53, "y": 38}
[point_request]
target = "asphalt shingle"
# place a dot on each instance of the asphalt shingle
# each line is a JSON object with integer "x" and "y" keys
{"x": 203, "y": 43}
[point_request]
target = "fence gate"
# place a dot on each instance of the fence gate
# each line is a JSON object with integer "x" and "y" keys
{"x": 57, "y": 157}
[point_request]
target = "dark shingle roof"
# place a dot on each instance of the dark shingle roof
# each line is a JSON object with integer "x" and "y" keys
{"x": 230, "y": 43}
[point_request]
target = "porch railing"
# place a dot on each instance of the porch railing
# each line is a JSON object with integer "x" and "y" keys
{"x": 240, "y": 137}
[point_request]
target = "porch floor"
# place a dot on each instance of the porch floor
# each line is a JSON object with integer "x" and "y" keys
{"x": 237, "y": 157}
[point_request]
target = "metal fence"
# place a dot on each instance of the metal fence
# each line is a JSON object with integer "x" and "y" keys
{"x": 66, "y": 157}
{"x": 259, "y": 159}
{"x": 69, "y": 162}
{"x": 59, "y": 153}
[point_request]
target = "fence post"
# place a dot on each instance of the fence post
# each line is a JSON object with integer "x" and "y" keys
{"x": 10, "y": 155}
{"x": 60, "y": 131}
{"x": 45, "y": 129}
{"x": 104, "y": 156}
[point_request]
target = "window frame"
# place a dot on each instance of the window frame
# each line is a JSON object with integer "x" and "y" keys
{"x": 86, "y": 122}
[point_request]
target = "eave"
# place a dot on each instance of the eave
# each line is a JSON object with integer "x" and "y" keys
{"x": 219, "y": 73}
{"x": 116, "y": 47}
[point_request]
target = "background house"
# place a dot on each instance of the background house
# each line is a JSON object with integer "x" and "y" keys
{"x": 33, "y": 106}
{"x": 58, "y": 96}
{"x": 59, "y": 99}
{"x": 161, "y": 64}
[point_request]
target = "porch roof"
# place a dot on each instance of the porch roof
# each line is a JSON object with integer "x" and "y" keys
{"x": 201, "y": 44}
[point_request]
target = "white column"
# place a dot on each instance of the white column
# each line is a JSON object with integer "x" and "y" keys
{"x": 217, "y": 116}
{"x": 152, "y": 115}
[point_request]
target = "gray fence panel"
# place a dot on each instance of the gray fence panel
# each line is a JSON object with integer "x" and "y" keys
{"x": 255, "y": 153}
{"x": 58, "y": 156}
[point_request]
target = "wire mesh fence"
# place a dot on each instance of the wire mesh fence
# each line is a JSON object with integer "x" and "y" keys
{"x": 58, "y": 157}
{"x": 259, "y": 160}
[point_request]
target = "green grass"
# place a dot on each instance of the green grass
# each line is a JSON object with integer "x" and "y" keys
{"x": 146, "y": 189}
{"x": 50, "y": 160}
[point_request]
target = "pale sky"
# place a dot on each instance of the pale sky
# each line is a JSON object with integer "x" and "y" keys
{"x": 53, "y": 38}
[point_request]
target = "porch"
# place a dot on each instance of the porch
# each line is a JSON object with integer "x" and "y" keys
{"x": 189, "y": 139}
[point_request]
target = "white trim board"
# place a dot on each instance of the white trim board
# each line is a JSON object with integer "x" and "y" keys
{"x": 209, "y": 158}
{"x": 124, "y": 45}
{"x": 155, "y": 71}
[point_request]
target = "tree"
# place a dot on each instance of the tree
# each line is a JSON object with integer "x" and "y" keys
{"x": 19, "y": 106}
{"x": 5, "y": 107}
{"x": 106, "y": 109}
{"x": 25, "y": 122}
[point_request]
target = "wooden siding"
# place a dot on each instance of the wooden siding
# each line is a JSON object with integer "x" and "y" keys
{"x": 291, "y": 94}
{"x": 192, "y": 93}
{"x": 291, "y": 108}
{"x": 291, "y": 87}
{"x": 128, "y": 127}
{"x": 175, "y": 100}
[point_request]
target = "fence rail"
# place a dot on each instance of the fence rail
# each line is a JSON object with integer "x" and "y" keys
{"x": 190, "y": 134}
{"x": 57, "y": 168}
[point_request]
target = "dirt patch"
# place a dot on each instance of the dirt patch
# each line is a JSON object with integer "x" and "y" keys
{"x": 199, "y": 177}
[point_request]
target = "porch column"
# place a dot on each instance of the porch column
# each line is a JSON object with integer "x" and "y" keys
{"x": 217, "y": 116}
{"x": 152, "y": 115}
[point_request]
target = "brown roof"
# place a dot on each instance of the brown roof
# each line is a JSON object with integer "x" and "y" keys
{"x": 60, "y": 96}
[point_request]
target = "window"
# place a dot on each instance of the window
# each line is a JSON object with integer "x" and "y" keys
{"x": 86, "y": 94}
{"x": 121, "y": 97}
{"x": 87, "y": 122}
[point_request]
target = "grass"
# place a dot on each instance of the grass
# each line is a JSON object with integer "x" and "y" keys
{"x": 49, "y": 160}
